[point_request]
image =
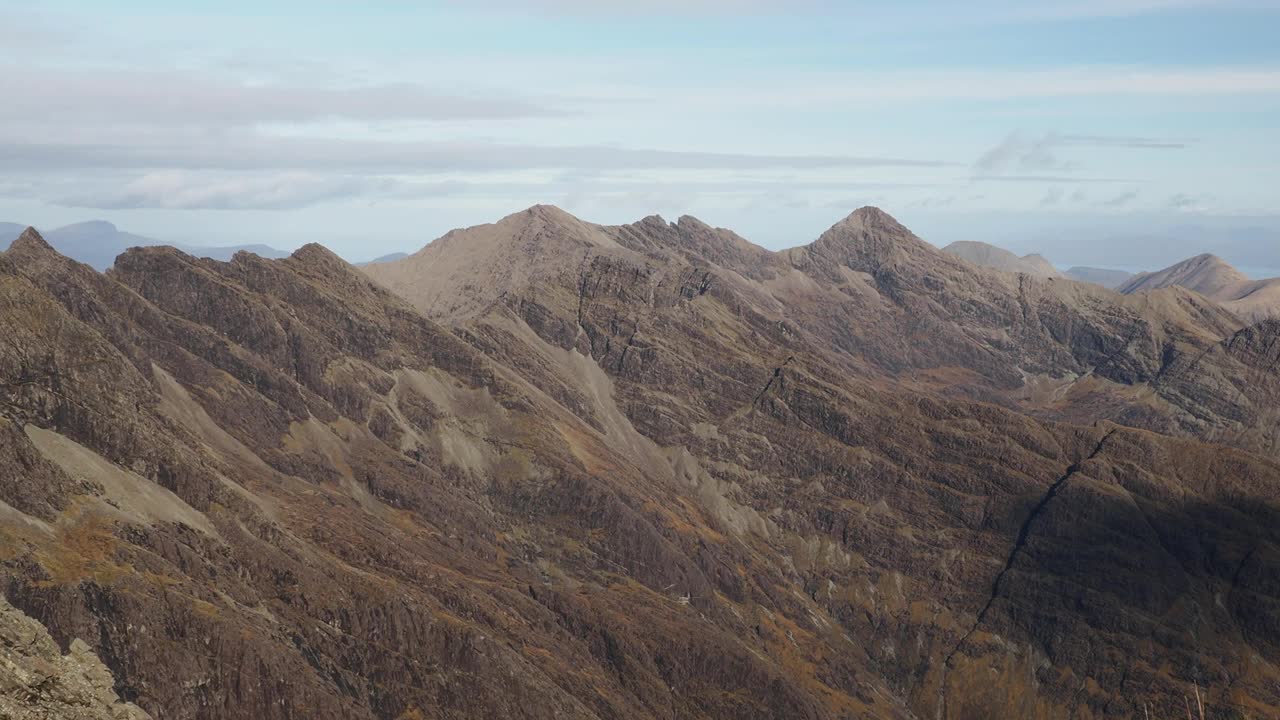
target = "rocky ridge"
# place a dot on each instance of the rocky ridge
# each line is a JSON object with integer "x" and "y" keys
{"x": 1213, "y": 277}
{"x": 637, "y": 471}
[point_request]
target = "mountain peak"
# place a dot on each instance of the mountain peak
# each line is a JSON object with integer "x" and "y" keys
{"x": 31, "y": 246}
{"x": 871, "y": 217}
{"x": 1206, "y": 274}
{"x": 33, "y": 240}
{"x": 869, "y": 238}
{"x": 314, "y": 255}
{"x": 541, "y": 222}
{"x": 1215, "y": 278}
{"x": 1207, "y": 259}
{"x": 547, "y": 213}
{"x": 313, "y": 251}
{"x": 467, "y": 269}
{"x": 689, "y": 221}
{"x": 33, "y": 251}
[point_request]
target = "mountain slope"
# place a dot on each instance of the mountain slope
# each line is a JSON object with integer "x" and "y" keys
{"x": 654, "y": 472}
{"x": 1214, "y": 278}
{"x": 996, "y": 258}
{"x": 890, "y": 303}
{"x": 471, "y": 268}
{"x": 365, "y": 512}
{"x": 716, "y": 360}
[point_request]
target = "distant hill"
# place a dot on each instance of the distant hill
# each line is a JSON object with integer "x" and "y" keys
{"x": 390, "y": 257}
{"x": 1217, "y": 279}
{"x": 996, "y": 258}
{"x": 97, "y": 243}
{"x": 1099, "y": 276}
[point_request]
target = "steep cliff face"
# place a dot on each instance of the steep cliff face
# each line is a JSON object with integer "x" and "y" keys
{"x": 647, "y": 471}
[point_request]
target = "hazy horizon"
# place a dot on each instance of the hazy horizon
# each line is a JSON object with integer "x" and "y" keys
{"x": 1254, "y": 250}
{"x": 376, "y": 128}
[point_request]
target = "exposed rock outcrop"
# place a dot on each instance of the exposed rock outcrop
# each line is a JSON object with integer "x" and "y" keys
{"x": 38, "y": 681}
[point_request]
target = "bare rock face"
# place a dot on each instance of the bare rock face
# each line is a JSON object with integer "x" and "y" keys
{"x": 38, "y": 681}
{"x": 645, "y": 471}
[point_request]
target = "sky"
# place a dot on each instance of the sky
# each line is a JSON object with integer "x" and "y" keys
{"x": 1126, "y": 133}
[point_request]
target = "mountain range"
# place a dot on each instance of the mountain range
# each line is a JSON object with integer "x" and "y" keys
{"x": 997, "y": 258}
{"x": 97, "y": 243}
{"x": 1208, "y": 275}
{"x": 548, "y": 468}
{"x": 1214, "y": 278}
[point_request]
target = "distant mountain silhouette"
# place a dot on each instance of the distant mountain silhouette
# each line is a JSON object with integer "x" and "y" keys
{"x": 97, "y": 243}
{"x": 997, "y": 258}
{"x": 389, "y": 257}
{"x": 1099, "y": 276}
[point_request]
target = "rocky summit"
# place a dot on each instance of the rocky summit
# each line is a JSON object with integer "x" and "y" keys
{"x": 1213, "y": 277}
{"x": 546, "y": 468}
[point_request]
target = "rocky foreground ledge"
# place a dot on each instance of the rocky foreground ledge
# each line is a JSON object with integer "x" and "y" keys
{"x": 38, "y": 682}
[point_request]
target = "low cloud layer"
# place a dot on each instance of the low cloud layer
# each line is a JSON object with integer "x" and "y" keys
{"x": 254, "y": 152}
{"x": 1041, "y": 153}
{"x": 166, "y": 99}
{"x": 192, "y": 191}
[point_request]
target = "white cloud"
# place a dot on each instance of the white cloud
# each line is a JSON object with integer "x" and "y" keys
{"x": 1192, "y": 203}
{"x": 866, "y": 11}
{"x": 245, "y": 151}
{"x": 1128, "y": 8}
{"x": 166, "y": 98}
{"x": 267, "y": 190}
{"x": 1019, "y": 152}
{"x": 1121, "y": 200}
{"x": 191, "y": 191}
{"x": 973, "y": 84}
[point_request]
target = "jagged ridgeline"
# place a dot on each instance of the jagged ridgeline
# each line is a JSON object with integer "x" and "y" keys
{"x": 546, "y": 468}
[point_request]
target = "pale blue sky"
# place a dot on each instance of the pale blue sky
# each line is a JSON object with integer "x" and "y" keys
{"x": 373, "y": 127}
